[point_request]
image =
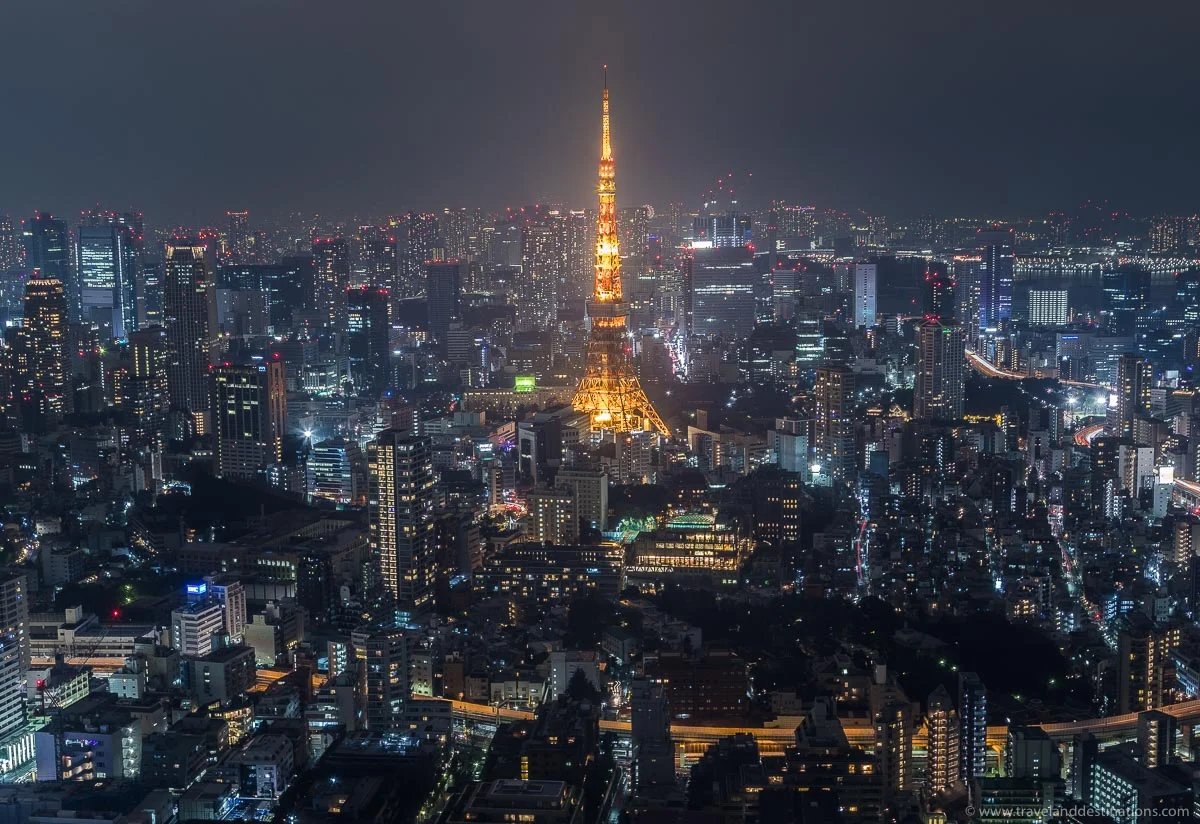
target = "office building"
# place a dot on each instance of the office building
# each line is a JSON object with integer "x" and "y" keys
{"x": 865, "y": 275}
{"x": 720, "y": 283}
{"x": 996, "y": 276}
{"x": 107, "y": 277}
{"x": 228, "y": 591}
{"x": 249, "y": 418}
{"x": 1048, "y": 307}
{"x": 333, "y": 470}
{"x": 941, "y": 370}
{"x": 400, "y": 504}
{"x": 443, "y": 292}
{"x": 194, "y": 625}
{"x": 48, "y": 254}
{"x": 368, "y": 335}
{"x": 190, "y": 306}
{"x": 1125, "y": 301}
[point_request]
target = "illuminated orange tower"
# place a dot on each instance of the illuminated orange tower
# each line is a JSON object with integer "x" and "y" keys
{"x": 609, "y": 391}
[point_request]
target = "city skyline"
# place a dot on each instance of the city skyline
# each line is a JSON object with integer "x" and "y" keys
{"x": 838, "y": 110}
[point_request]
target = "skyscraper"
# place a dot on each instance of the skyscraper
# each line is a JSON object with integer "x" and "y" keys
{"x": 543, "y": 262}
{"x": 833, "y": 422}
{"x": 249, "y": 409}
{"x": 417, "y": 241}
{"x": 147, "y": 393}
{"x": 14, "y": 650}
{"x": 943, "y": 747}
{"x": 10, "y": 244}
{"x": 1134, "y": 381}
{"x": 400, "y": 508}
{"x": 331, "y": 278}
{"x": 1126, "y": 300}
{"x": 610, "y": 392}
{"x": 238, "y": 238}
{"x": 864, "y": 294}
{"x": 48, "y": 250}
{"x": 941, "y": 370}
{"x": 368, "y": 331}
{"x": 721, "y": 284}
{"x": 107, "y": 277}
{"x": 443, "y": 293}
{"x": 940, "y": 291}
{"x": 996, "y": 277}
{"x": 38, "y": 352}
{"x": 972, "y": 717}
{"x": 190, "y": 306}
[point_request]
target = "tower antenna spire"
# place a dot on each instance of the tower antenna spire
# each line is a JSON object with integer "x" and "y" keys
{"x": 609, "y": 392}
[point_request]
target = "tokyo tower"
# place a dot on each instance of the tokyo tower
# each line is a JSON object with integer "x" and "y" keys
{"x": 609, "y": 391}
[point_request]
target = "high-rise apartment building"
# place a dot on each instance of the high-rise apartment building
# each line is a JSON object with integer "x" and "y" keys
{"x": 833, "y": 422}
{"x": 14, "y": 650}
{"x": 238, "y": 237}
{"x": 1134, "y": 381}
{"x": 940, "y": 291}
{"x": 146, "y": 394}
{"x": 382, "y": 655}
{"x": 944, "y": 762}
{"x": 331, "y": 278}
{"x": 400, "y": 507}
{"x": 972, "y": 719}
{"x": 190, "y": 306}
{"x": 543, "y": 263}
{"x": 38, "y": 351}
{"x": 941, "y": 370}
{"x": 865, "y": 309}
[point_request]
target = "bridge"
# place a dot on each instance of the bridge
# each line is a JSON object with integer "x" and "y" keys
{"x": 989, "y": 370}
{"x": 691, "y": 741}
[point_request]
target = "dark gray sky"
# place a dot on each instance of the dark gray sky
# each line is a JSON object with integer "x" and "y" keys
{"x": 185, "y": 109}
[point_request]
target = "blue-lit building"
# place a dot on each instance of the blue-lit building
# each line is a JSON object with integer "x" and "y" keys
{"x": 995, "y": 277}
{"x": 107, "y": 277}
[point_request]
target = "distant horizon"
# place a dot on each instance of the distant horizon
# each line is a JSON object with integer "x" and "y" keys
{"x": 897, "y": 110}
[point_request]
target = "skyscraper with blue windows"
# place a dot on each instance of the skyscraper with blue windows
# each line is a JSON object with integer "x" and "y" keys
{"x": 107, "y": 265}
{"x": 996, "y": 277}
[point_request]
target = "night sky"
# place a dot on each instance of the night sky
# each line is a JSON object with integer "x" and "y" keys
{"x": 186, "y": 109}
